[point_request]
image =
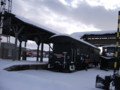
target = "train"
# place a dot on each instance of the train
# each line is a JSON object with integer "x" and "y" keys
{"x": 70, "y": 53}
{"x": 107, "y": 62}
{"x": 107, "y": 57}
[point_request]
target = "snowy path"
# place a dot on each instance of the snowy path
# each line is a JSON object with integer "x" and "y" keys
{"x": 47, "y": 80}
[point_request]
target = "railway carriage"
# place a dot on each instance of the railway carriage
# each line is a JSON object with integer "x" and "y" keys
{"x": 69, "y": 53}
{"x": 107, "y": 57}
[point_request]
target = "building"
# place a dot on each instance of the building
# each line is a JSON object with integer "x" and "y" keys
{"x": 7, "y": 51}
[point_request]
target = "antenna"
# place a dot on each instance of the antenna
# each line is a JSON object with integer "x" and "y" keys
{"x": 2, "y": 12}
{"x": 9, "y": 6}
{"x": 5, "y": 6}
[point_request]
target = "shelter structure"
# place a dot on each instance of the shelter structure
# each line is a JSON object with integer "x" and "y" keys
{"x": 23, "y": 30}
{"x": 100, "y": 39}
{"x": 7, "y": 50}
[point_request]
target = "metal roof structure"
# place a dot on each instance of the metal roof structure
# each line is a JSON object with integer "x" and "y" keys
{"x": 15, "y": 25}
{"x": 23, "y": 30}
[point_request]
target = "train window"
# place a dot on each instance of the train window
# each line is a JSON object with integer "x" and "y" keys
{"x": 110, "y": 49}
{"x": 68, "y": 57}
{"x": 81, "y": 58}
{"x": 60, "y": 47}
{"x": 78, "y": 52}
{"x": 105, "y": 49}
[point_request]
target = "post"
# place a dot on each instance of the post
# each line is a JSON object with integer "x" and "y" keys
{"x": 16, "y": 32}
{"x": 15, "y": 49}
{"x": 38, "y": 52}
{"x": 25, "y": 58}
{"x": 20, "y": 46}
{"x": 41, "y": 56}
{"x": 49, "y": 53}
{"x": 25, "y": 44}
{"x": 24, "y": 52}
{"x": 64, "y": 63}
{"x": 37, "y": 40}
{"x": 117, "y": 44}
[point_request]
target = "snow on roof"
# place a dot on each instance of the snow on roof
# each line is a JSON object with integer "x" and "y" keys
{"x": 36, "y": 24}
{"x": 102, "y": 32}
{"x": 107, "y": 58}
{"x": 80, "y": 34}
{"x": 80, "y": 40}
{"x": 113, "y": 45}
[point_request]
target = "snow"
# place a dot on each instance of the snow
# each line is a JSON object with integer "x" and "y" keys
{"x": 36, "y": 24}
{"x": 34, "y": 59}
{"x": 80, "y": 34}
{"x": 107, "y": 58}
{"x": 47, "y": 80}
{"x": 113, "y": 45}
{"x": 110, "y": 54}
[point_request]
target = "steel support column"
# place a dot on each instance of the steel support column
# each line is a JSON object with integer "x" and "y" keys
{"x": 41, "y": 56}
{"x": 38, "y": 51}
{"x": 20, "y": 46}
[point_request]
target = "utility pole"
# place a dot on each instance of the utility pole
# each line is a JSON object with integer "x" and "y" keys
{"x": 116, "y": 62}
{"x": 9, "y": 6}
{"x": 115, "y": 78}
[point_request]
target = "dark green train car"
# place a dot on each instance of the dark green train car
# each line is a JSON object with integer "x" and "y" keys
{"x": 107, "y": 58}
{"x": 69, "y": 53}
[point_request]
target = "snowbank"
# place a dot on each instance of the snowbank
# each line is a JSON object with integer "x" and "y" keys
{"x": 46, "y": 80}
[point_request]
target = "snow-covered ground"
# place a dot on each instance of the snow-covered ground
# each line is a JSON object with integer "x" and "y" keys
{"x": 46, "y": 80}
{"x": 45, "y": 60}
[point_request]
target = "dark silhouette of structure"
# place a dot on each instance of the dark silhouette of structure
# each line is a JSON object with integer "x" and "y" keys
{"x": 100, "y": 39}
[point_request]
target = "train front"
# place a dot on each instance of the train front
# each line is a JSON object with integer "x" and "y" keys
{"x": 60, "y": 57}
{"x": 108, "y": 56}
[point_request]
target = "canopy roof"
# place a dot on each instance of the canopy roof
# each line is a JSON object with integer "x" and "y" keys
{"x": 25, "y": 28}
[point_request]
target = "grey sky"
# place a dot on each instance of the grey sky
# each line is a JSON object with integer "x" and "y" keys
{"x": 68, "y": 16}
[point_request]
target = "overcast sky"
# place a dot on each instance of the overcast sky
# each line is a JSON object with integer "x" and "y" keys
{"x": 68, "y": 16}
